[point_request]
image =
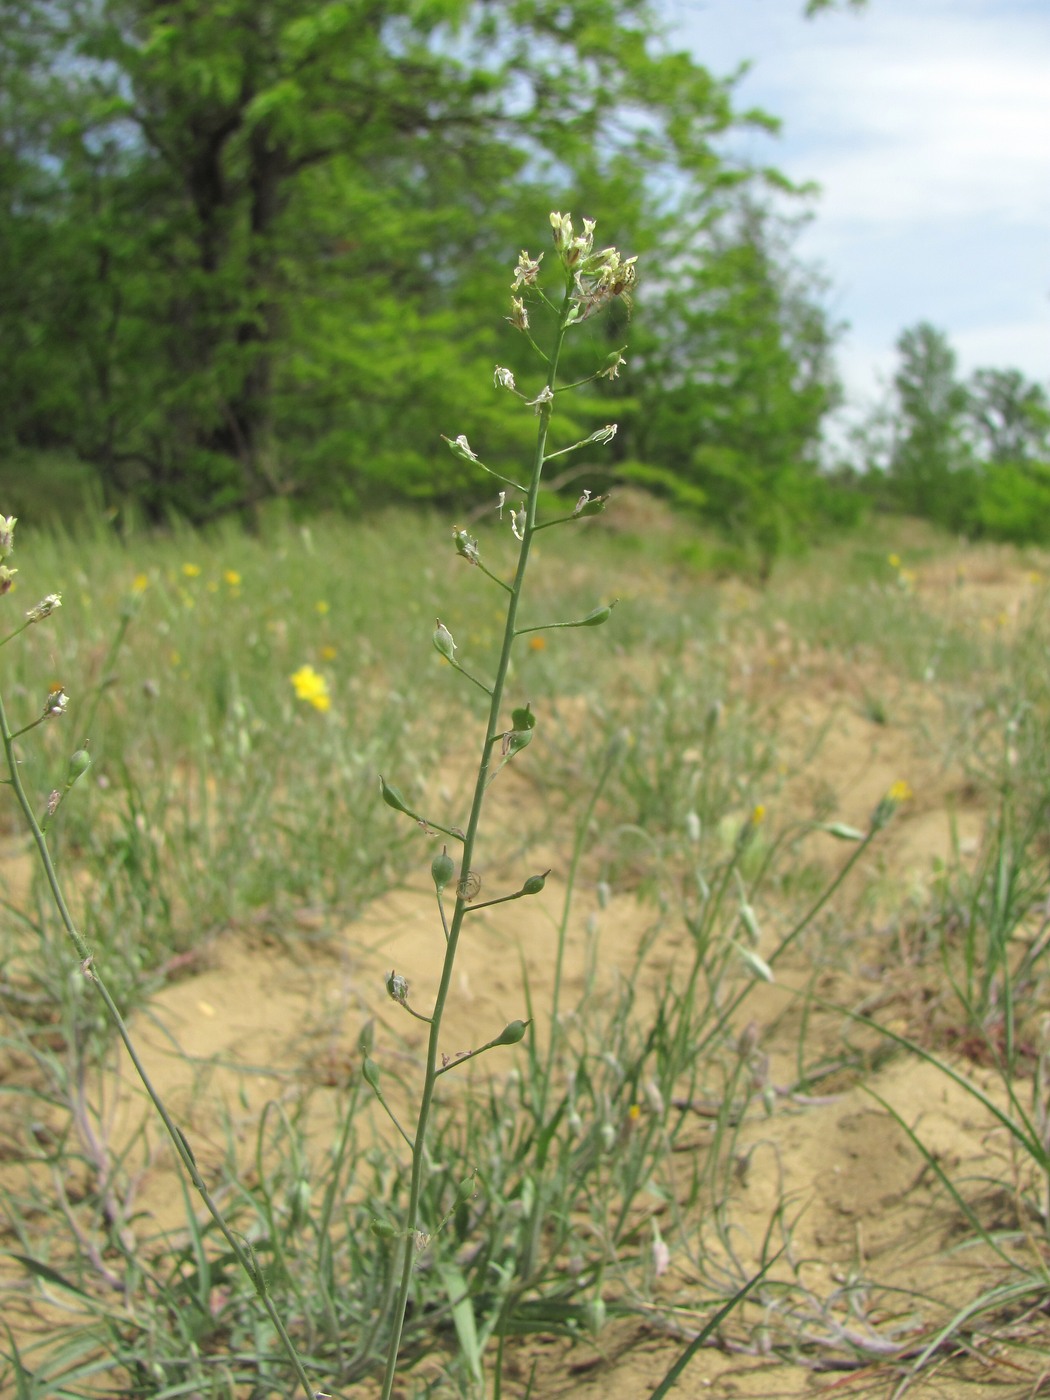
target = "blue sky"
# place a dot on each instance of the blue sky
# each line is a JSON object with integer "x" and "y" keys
{"x": 926, "y": 124}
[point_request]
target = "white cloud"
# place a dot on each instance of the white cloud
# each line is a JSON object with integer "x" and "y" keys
{"x": 927, "y": 125}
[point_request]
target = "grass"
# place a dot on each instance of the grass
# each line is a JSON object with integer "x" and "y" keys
{"x": 223, "y": 811}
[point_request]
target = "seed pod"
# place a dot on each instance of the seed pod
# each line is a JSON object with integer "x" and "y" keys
{"x": 512, "y": 1033}
{"x": 79, "y": 763}
{"x": 594, "y": 506}
{"x": 758, "y": 967}
{"x": 370, "y": 1070}
{"x": 535, "y": 883}
{"x": 515, "y": 740}
{"x": 443, "y": 641}
{"x": 397, "y": 987}
{"x": 383, "y": 1229}
{"x": 469, "y": 886}
{"x": 523, "y": 718}
{"x": 596, "y": 617}
{"x": 750, "y": 922}
{"x": 842, "y": 832}
{"x": 465, "y": 1190}
{"x": 393, "y": 798}
{"x": 442, "y": 868}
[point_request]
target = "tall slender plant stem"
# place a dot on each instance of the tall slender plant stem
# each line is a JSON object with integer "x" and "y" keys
{"x": 491, "y": 731}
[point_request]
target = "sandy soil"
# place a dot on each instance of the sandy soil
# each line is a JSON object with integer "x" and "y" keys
{"x": 259, "y": 1016}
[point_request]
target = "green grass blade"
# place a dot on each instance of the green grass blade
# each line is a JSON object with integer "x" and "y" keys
{"x": 709, "y": 1327}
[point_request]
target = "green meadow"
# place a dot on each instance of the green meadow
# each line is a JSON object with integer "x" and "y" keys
{"x": 785, "y": 984}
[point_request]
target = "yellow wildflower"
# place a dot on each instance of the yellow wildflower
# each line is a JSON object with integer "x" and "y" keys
{"x": 329, "y": 653}
{"x": 191, "y": 570}
{"x": 232, "y": 577}
{"x": 537, "y": 643}
{"x": 894, "y": 561}
{"x": 312, "y": 687}
{"x": 900, "y": 791}
{"x": 140, "y": 583}
{"x": 322, "y": 607}
{"x": 758, "y": 815}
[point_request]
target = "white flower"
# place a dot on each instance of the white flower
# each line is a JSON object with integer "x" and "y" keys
{"x": 544, "y": 397}
{"x": 562, "y": 226}
{"x": 466, "y": 545}
{"x": 517, "y": 522}
{"x": 520, "y": 317}
{"x": 604, "y": 435}
{"x": 581, "y": 502}
{"x": 526, "y": 271}
{"x": 44, "y": 608}
{"x": 501, "y": 503}
{"x": 56, "y": 702}
{"x": 503, "y": 378}
{"x": 461, "y": 448}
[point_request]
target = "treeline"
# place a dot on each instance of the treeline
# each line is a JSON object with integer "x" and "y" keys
{"x": 972, "y": 455}
{"x": 258, "y": 248}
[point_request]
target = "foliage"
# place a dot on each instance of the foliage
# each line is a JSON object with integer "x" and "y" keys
{"x": 736, "y": 380}
{"x": 194, "y": 830}
{"x": 239, "y": 238}
{"x": 972, "y": 455}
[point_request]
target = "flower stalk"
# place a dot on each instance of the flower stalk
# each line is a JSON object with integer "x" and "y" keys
{"x": 588, "y": 280}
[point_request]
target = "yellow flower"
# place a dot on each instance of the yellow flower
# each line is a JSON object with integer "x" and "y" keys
{"x": 191, "y": 570}
{"x": 758, "y": 815}
{"x": 537, "y": 643}
{"x": 900, "y": 791}
{"x": 894, "y": 561}
{"x": 232, "y": 577}
{"x": 311, "y": 687}
{"x": 321, "y": 606}
{"x": 329, "y": 653}
{"x": 139, "y": 583}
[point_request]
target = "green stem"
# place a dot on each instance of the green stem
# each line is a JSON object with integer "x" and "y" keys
{"x": 464, "y": 672}
{"x": 179, "y": 1142}
{"x": 495, "y": 577}
{"x": 431, "y": 1074}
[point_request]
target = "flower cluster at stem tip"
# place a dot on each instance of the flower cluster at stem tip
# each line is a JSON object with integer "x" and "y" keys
{"x": 598, "y": 278}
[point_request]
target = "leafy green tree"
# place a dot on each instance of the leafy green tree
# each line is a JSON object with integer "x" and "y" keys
{"x": 1009, "y": 417}
{"x": 737, "y": 378}
{"x": 931, "y": 466}
{"x": 263, "y": 222}
{"x": 1009, "y": 420}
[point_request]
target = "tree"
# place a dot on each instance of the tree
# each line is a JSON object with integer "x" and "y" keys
{"x": 930, "y": 461}
{"x": 262, "y": 222}
{"x": 1009, "y": 417}
{"x": 737, "y": 378}
{"x": 1009, "y": 421}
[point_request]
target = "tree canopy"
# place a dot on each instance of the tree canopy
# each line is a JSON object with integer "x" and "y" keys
{"x": 241, "y": 237}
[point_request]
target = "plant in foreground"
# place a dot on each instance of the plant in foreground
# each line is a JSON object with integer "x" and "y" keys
{"x": 589, "y": 280}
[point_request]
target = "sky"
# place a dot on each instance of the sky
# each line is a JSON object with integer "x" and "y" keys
{"x": 926, "y": 124}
